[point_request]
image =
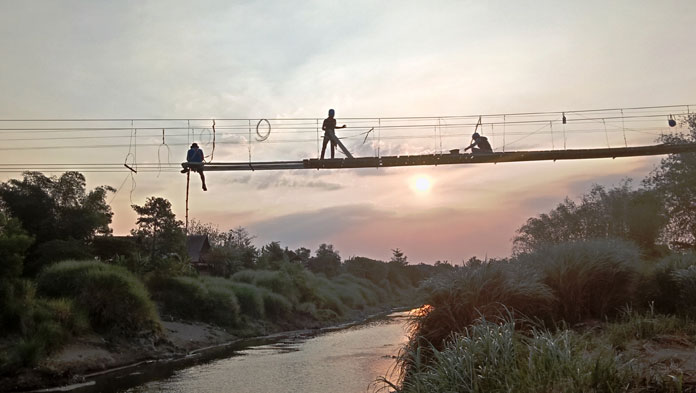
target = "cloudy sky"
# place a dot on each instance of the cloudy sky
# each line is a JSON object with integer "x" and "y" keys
{"x": 282, "y": 59}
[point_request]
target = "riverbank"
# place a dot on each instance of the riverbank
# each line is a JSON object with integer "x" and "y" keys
{"x": 90, "y": 356}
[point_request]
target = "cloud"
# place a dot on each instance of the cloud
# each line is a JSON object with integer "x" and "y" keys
{"x": 266, "y": 181}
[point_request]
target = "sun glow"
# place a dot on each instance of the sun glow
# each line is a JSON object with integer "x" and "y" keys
{"x": 422, "y": 184}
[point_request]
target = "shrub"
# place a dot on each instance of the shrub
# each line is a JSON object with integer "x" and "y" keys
{"x": 666, "y": 286}
{"x": 685, "y": 280}
{"x": 276, "y": 306}
{"x": 250, "y": 299}
{"x": 590, "y": 279}
{"x": 54, "y": 251}
{"x": 460, "y": 298}
{"x": 493, "y": 357}
{"x": 113, "y": 297}
{"x": 191, "y": 298}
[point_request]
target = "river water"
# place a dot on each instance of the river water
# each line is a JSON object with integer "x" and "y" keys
{"x": 347, "y": 360}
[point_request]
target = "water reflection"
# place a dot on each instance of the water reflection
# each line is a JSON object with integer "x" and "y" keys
{"x": 347, "y": 360}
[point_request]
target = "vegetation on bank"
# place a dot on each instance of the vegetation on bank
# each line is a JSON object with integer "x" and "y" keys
{"x": 587, "y": 281}
{"x": 63, "y": 275}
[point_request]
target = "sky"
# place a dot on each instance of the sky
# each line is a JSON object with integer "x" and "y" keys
{"x": 367, "y": 59}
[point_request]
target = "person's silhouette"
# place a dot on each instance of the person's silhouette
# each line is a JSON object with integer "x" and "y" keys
{"x": 329, "y": 127}
{"x": 481, "y": 142}
{"x": 195, "y": 156}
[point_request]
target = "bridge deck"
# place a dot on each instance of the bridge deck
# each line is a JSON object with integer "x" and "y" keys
{"x": 447, "y": 159}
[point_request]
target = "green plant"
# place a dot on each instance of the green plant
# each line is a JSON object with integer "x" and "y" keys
{"x": 590, "y": 279}
{"x": 114, "y": 298}
{"x": 193, "y": 299}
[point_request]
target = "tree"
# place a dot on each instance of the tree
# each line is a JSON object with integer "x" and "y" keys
{"x": 326, "y": 261}
{"x": 14, "y": 243}
{"x": 52, "y": 208}
{"x": 620, "y": 212}
{"x": 158, "y": 229}
{"x": 675, "y": 180}
{"x": 398, "y": 258}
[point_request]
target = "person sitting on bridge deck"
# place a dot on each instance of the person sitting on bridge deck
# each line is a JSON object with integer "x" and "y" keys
{"x": 195, "y": 156}
{"x": 329, "y": 127}
{"x": 481, "y": 142}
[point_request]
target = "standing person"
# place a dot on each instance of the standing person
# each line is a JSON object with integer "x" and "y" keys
{"x": 481, "y": 142}
{"x": 329, "y": 127}
{"x": 195, "y": 156}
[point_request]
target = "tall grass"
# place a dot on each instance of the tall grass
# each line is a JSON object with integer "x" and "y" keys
{"x": 194, "y": 299}
{"x": 494, "y": 357}
{"x": 39, "y": 325}
{"x": 671, "y": 285}
{"x": 565, "y": 283}
{"x": 590, "y": 279}
{"x": 299, "y": 288}
{"x": 114, "y": 299}
{"x": 491, "y": 290}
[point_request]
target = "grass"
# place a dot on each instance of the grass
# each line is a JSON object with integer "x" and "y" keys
{"x": 590, "y": 279}
{"x": 115, "y": 300}
{"x": 465, "y": 340}
{"x": 496, "y": 357}
{"x": 41, "y": 326}
{"x": 195, "y": 299}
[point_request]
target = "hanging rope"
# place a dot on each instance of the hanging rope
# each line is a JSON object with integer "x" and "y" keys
{"x": 623, "y": 128}
{"x": 553, "y": 144}
{"x": 563, "y": 120}
{"x": 260, "y": 137}
{"x": 159, "y": 148}
{"x": 318, "y": 138}
{"x": 606, "y": 133}
{"x": 212, "y": 152}
{"x": 504, "y": 124}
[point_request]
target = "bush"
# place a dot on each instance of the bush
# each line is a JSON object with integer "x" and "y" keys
{"x": 493, "y": 357}
{"x": 54, "y": 251}
{"x": 250, "y": 299}
{"x": 590, "y": 279}
{"x": 460, "y": 298}
{"x": 193, "y": 299}
{"x": 44, "y": 326}
{"x": 276, "y": 306}
{"x": 115, "y": 300}
{"x": 666, "y": 284}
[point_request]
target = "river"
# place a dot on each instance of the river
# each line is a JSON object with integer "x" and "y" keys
{"x": 345, "y": 360}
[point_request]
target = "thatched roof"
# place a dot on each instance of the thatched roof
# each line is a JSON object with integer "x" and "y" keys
{"x": 197, "y": 246}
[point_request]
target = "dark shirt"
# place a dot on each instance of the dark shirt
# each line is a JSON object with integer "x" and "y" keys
{"x": 482, "y": 143}
{"x": 329, "y": 125}
{"x": 194, "y": 155}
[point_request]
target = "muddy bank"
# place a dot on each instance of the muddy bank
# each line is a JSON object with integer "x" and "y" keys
{"x": 92, "y": 356}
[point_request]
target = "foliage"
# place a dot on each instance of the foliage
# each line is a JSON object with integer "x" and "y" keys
{"x": 115, "y": 300}
{"x": 494, "y": 357}
{"x": 57, "y": 207}
{"x": 667, "y": 284}
{"x": 675, "y": 181}
{"x": 617, "y": 213}
{"x": 54, "y": 251}
{"x": 158, "y": 230}
{"x": 109, "y": 248}
{"x": 41, "y": 326}
{"x": 326, "y": 261}
{"x": 14, "y": 243}
{"x": 590, "y": 279}
{"x": 194, "y": 299}
{"x": 373, "y": 270}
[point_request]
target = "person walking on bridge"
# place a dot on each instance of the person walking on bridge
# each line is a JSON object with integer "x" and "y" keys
{"x": 329, "y": 127}
{"x": 195, "y": 156}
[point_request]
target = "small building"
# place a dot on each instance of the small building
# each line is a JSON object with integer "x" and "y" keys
{"x": 198, "y": 247}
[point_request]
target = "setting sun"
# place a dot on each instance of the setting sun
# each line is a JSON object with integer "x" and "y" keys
{"x": 422, "y": 184}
